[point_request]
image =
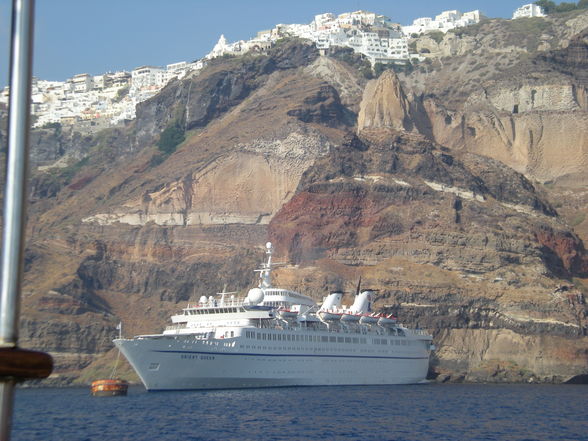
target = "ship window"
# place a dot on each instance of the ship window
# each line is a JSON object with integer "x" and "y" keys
{"x": 355, "y": 340}
{"x": 232, "y": 333}
{"x": 332, "y": 339}
{"x": 384, "y": 341}
{"x": 274, "y": 337}
{"x": 324, "y": 338}
{"x": 340, "y": 339}
{"x": 347, "y": 339}
{"x": 258, "y": 336}
{"x": 363, "y": 341}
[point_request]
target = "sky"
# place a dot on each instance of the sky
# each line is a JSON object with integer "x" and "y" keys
{"x": 81, "y": 36}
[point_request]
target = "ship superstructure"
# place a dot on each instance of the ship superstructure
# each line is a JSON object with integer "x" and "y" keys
{"x": 278, "y": 337}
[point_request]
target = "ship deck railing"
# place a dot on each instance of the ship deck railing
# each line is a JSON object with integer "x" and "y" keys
{"x": 219, "y": 303}
{"x": 320, "y": 326}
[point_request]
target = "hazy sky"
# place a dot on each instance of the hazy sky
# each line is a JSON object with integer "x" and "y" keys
{"x": 77, "y": 36}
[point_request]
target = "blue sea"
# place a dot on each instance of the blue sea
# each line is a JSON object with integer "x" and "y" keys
{"x": 430, "y": 412}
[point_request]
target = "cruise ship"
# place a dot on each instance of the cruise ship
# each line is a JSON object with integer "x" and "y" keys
{"x": 278, "y": 337}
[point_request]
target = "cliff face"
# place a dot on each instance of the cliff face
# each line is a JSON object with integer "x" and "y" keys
{"x": 410, "y": 191}
{"x": 521, "y": 100}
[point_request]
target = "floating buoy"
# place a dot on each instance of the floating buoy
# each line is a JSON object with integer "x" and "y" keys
{"x": 109, "y": 388}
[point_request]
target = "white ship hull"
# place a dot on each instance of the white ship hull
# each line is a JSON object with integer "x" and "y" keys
{"x": 176, "y": 363}
{"x": 276, "y": 337}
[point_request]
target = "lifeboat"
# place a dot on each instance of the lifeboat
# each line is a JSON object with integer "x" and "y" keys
{"x": 287, "y": 314}
{"x": 386, "y": 320}
{"x": 329, "y": 316}
{"x": 350, "y": 316}
{"x": 369, "y": 319}
{"x": 109, "y": 388}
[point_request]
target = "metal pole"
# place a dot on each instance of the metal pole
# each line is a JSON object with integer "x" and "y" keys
{"x": 21, "y": 56}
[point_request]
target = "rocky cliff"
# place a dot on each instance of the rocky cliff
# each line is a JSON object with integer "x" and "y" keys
{"x": 520, "y": 97}
{"x": 431, "y": 198}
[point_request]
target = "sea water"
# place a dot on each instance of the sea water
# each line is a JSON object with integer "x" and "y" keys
{"x": 421, "y": 413}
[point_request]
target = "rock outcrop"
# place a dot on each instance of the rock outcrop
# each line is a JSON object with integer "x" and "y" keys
{"x": 384, "y": 104}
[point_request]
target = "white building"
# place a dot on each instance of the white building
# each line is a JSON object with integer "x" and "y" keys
{"x": 443, "y": 22}
{"x": 148, "y": 77}
{"x": 81, "y": 83}
{"x": 530, "y": 10}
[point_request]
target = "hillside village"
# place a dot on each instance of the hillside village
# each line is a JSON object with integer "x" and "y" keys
{"x": 109, "y": 99}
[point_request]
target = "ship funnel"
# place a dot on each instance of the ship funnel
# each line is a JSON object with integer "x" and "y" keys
{"x": 333, "y": 301}
{"x": 362, "y": 303}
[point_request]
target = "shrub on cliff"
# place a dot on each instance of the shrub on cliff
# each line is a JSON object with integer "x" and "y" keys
{"x": 170, "y": 139}
{"x": 550, "y": 7}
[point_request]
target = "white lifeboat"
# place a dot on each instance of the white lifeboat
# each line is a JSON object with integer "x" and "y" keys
{"x": 350, "y": 316}
{"x": 369, "y": 319}
{"x": 288, "y": 313}
{"x": 386, "y": 320}
{"x": 330, "y": 315}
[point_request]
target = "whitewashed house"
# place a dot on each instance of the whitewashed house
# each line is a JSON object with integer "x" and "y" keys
{"x": 530, "y": 10}
{"x": 148, "y": 77}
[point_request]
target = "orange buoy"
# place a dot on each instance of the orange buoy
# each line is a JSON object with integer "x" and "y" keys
{"x": 109, "y": 388}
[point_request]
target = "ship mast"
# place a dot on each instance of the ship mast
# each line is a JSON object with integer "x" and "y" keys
{"x": 266, "y": 269}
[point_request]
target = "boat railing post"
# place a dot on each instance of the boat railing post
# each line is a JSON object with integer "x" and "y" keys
{"x": 16, "y": 364}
